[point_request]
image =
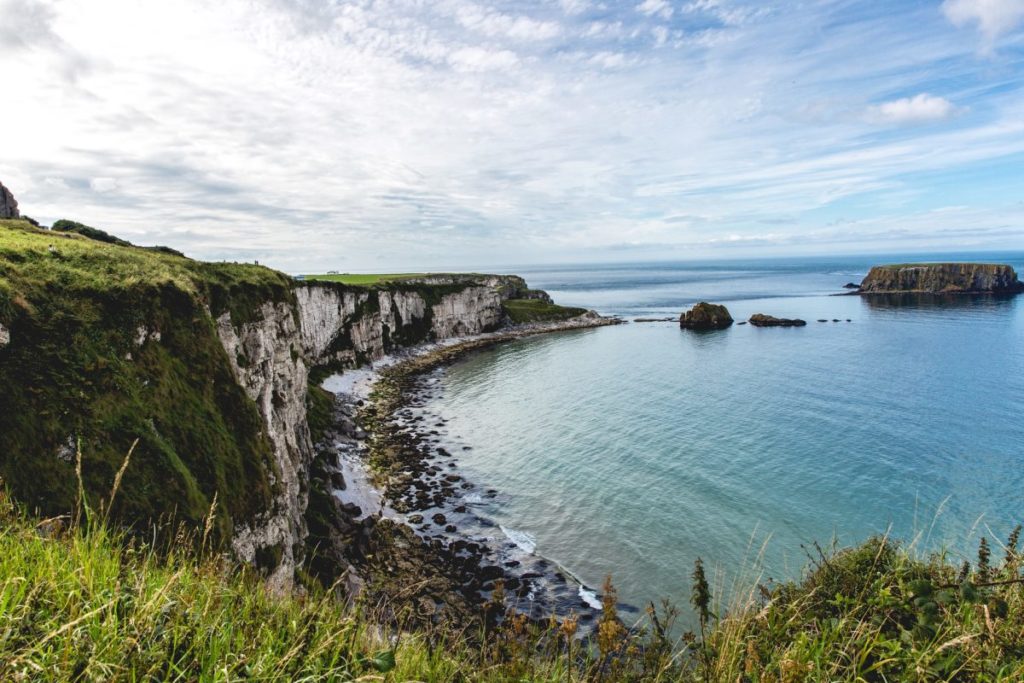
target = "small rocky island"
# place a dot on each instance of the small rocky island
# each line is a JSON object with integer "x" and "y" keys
{"x": 762, "y": 320}
{"x": 705, "y": 316}
{"x": 941, "y": 278}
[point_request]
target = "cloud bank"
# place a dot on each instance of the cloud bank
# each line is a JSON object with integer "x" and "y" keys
{"x": 403, "y": 134}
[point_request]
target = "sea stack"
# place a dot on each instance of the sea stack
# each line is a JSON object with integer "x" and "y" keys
{"x": 705, "y": 316}
{"x": 8, "y": 204}
{"x": 942, "y": 278}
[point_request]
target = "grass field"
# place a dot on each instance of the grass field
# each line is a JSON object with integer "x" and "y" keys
{"x": 87, "y": 603}
{"x": 362, "y": 279}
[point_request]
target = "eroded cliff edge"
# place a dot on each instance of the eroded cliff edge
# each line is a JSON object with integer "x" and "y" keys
{"x": 941, "y": 278}
{"x": 207, "y": 365}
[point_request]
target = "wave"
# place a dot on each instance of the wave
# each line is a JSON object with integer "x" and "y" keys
{"x": 525, "y": 541}
{"x": 590, "y": 597}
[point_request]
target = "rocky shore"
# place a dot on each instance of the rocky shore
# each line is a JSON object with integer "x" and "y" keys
{"x": 400, "y": 527}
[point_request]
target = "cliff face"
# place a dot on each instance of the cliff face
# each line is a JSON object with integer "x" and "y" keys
{"x": 941, "y": 278}
{"x": 8, "y": 205}
{"x": 328, "y": 325}
{"x": 265, "y": 360}
{"x": 345, "y": 327}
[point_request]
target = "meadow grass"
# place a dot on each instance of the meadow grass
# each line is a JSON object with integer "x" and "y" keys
{"x": 363, "y": 279}
{"x": 81, "y": 601}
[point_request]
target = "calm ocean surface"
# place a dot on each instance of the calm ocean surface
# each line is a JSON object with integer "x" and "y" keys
{"x": 632, "y": 450}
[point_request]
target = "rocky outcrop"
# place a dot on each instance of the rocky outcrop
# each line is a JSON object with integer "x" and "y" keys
{"x": 942, "y": 278}
{"x": 762, "y": 320}
{"x": 8, "y": 204}
{"x": 705, "y": 316}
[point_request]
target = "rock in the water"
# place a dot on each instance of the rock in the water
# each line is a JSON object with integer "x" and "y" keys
{"x": 851, "y": 285}
{"x": 942, "y": 278}
{"x": 705, "y": 316}
{"x": 762, "y": 320}
{"x": 8, "y": 204}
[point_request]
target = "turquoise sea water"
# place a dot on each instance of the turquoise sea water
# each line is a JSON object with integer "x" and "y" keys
{"x": 632, "y": 450}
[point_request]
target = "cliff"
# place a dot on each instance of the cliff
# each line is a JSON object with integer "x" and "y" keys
{"x": 207, "y": 365}
{"x": 941, "y": 278}
{"x": 8, "y": 205}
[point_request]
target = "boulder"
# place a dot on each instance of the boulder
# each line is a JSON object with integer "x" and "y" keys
{"x": 8, "y": 204}
{"x": 705, "y": 316}
{"x": 762, "y": 320}
{"x": 942, "y": 278}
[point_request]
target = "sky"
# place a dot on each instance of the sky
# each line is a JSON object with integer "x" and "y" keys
{"x": 399, "y": 134}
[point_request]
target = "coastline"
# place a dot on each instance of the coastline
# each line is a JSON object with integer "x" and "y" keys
{"x": 422, "y": 537}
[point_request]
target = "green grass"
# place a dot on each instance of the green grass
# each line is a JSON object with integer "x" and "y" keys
{"x": 534, "y": 310}
{"x": 88, "y": 603}
{"x": 364, "y": 280}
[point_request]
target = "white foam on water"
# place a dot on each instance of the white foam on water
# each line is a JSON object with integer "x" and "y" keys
{"x": 590, "y": 597}
{"x": 526, "y": 542}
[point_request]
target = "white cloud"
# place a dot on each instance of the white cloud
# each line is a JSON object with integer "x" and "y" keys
{"x": 609, "y": 60}
{"x": 103, "y": 184}
{"x": 481, "y": 59}
{"x": 993, "y": 17}
{"x": 660, "y": 34}
{"x": 921, "y": 108}
{"x": 651, "y": 7}
{"x": 494, "y": 24}
{"x": 572, "y": 7}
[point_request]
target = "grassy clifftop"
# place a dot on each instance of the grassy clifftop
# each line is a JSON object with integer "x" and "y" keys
{"x": 112, "y": 343}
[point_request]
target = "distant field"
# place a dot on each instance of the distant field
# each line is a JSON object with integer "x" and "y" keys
{"x": 363, "y": 279}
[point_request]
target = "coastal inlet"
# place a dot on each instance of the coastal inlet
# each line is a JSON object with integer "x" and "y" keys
{"x": 393, "y": 462}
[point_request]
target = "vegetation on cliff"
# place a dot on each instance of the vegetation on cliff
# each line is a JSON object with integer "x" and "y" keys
{"x": 82, "y": 602}
{"x": 112, "y": 343}
{"x": 361, "y": 279}
{"x": 537, "y": 310}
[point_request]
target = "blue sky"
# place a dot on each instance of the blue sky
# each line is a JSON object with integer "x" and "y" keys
{"x": 404, "y": 133}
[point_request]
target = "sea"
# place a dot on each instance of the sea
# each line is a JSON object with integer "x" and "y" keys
{"x": 630, "y": 451}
